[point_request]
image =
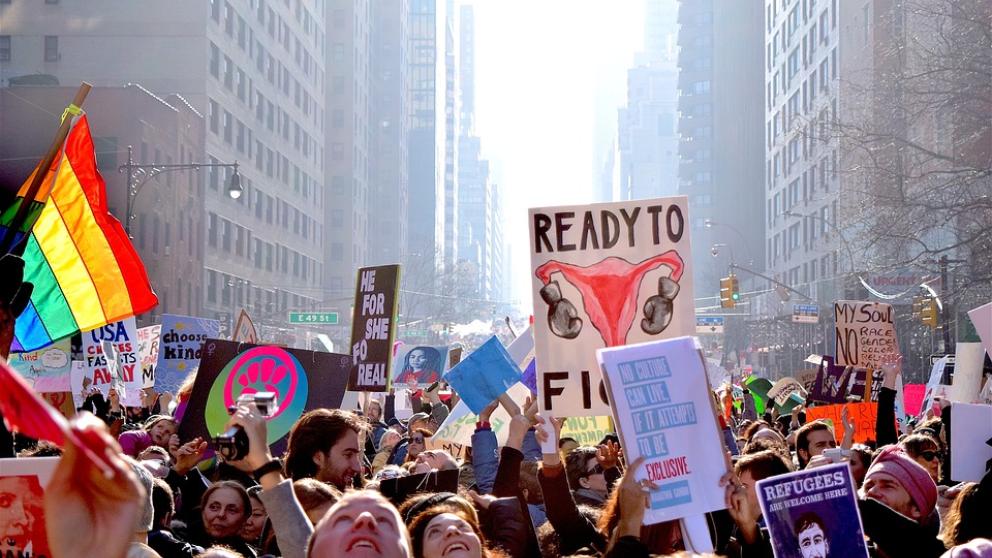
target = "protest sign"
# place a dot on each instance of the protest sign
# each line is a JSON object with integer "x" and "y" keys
{"x": 865, "y": 333}
{"x": 605, "y": 275}
{"x": 22, "y": 523}
{"x": 456, "y": 450}
{"x": 813, "y": 513}
{"x": 123, "y": 337}
{"x": 981, "y": 318}
{"x": 914, "y": 398}
{"x": 302, "y": 380}
{"x": 148, "y": 346}
{"x": 587, "y": 431}
{"x": 418, "y": 366}
{"x": 934, "y": 386}
{"x": 787, "y": 393}
{"x": 807, "y": 378}
{"x": 838, "y": 384}
{"x": 81, "y": 383}
{"x": 521, "y": 350}
{"x": 664, "y": 411}
{"x": 244, "y": 329}
{"x": 968, "y": 364}
{"x": 180, "y": 347}
{"x": 971, "y": 430}
{"x": 759, "y": 392}
{"x": 62, "y": 401}
{"x": 486, "y": 374}
{"x": 373, "y": 327}
{"x": 46, "y": 370}
{"x": 864, "y": 415}
{"x": 460, "y": 424}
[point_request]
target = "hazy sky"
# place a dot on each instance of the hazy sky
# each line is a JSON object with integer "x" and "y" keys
{"x": 547, "y": 72}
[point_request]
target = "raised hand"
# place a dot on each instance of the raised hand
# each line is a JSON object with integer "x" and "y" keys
{"x": 488, "y": 410}
{"x": 849, "y": 428}
{"x": 608, "y": 455}
{"x": 90, "y": 510}
{"x": 633, "y": 500}
{"x": 188, "y": 455}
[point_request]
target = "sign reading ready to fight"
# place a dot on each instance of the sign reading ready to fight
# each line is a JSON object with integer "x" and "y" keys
{"x": 605, "y": 275}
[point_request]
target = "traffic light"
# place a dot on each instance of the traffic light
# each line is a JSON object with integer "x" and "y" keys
{"x": 917, "y": 306}
{"x": 928, "y": 312}
{"x": 729, "y": 291}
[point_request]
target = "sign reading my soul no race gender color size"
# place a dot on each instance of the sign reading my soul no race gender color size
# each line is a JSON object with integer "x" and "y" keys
{"x": 604, "y": 275}
{"x": 373, "y": 327}
{"x": 664, "y": 411}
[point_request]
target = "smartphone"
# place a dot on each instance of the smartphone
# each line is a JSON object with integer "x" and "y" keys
{"x": 836, "y": 455}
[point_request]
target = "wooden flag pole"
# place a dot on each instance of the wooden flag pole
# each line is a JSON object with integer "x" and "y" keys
{"x": 39, "y": 177}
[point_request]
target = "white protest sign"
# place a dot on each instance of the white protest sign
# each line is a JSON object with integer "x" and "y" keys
{"x": 123, "y": 336}
{"x": 934, "y": 387}
{"x": 664, "y": 412}
{"x": 460, "y": 424}
{"x": 80, "y": 383}
{"x": 971, "y": 434}
{"x": 981, "y": 317}
{"x": 148, "y": 343}
{"x": 968, "y": 361}
{"x": 604, "y": 275}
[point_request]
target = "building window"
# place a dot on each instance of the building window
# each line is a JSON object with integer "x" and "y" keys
{"x": 4, "y": 48}
{"x": 51, "y": 48}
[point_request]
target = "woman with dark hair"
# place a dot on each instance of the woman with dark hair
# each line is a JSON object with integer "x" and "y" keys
{"x": 254, "y": 526}
{"x": 422, "y": 365}
{"x": 968, "y": 517}
{"x": 224, "y": 510}
{"x": 445, "y": 529}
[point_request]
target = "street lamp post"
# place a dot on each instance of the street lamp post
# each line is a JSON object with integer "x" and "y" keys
{"x": 134, "y": 170}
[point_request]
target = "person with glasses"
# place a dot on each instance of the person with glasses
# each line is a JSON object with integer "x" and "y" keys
{"x": 586, "y": 477}
{"x": 926, "y": 451}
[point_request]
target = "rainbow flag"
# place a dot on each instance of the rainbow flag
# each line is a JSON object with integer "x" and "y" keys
{"x": 85, "y": 271}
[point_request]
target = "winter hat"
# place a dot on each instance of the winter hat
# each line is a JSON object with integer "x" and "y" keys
{"x": 975, "y": 548}
{"x": 893, "y": 461}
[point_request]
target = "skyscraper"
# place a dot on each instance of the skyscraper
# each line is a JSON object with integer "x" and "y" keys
{"x": 721, "y": 136}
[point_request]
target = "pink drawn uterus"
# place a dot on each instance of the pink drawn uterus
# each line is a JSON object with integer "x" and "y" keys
{"x": 609, "y": 289}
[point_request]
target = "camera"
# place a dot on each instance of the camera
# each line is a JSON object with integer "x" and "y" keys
{"x": 232, "y": 445}
{"x": 836, "y": 455}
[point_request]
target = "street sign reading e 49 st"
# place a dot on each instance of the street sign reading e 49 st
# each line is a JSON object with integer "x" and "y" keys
{"x": 329, "y": 318}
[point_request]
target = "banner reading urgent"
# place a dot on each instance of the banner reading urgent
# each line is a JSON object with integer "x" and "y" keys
{"x": 373, "y": 327}
{"x": 664, "y": 412}
{"x": 605, "y": 275}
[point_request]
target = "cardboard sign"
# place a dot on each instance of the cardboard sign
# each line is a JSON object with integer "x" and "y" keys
{"x": 865, "y": 333}
{"x": 486, "y": 374}
{"x": 22, "y": 523}
{"x": 460, "y": 424}
{"x": 302, "y": 380}
{"x": 181, "y": 345}
{"x": 813, "y": 512}
{"x": 373, "y": 327}
{"x": 244, "y": 329}
{"x": 971, "y": 431}
{"x": 864, "y": 414}
{"x": 664, "y": 411}
{"x": 456, "y": 450}
{"x": 605, "y": 275}
{"x": 46, "y": 370}
{"x": 122, "y": 336}
{"x": 807, "y": 378}
{"x": 418, "y": 366}
{"x": 148, "y": 345}
{"x": 786, "y": 392}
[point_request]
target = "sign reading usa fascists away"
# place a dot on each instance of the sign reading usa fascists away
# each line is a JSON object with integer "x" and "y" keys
{"x": 605, "y": 275}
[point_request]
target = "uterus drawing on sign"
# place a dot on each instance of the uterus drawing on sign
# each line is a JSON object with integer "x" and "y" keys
{"x": 609, "y": 289}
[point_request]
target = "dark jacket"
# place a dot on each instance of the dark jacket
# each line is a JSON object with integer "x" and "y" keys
{"x": 574, "y": 530}
{"x": 506, "y": 527}
{"x": 885, "y": 421}
{"x": 507, "y": 485}
{"x": 163, "y": 542}
{"x": 897, "y": 535}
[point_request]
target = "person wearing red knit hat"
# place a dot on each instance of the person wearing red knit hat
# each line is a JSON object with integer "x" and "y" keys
{"x": 898, "y": 481}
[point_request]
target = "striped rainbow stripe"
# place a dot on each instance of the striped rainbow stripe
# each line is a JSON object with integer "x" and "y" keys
{"x": 85, "y": 271}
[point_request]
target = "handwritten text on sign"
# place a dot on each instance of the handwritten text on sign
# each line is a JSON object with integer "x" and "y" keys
{"x": 865, "y": 333}
{"x": 373, "y": 328}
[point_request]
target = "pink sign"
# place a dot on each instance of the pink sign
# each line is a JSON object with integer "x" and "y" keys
{"x": 913, "y": 398}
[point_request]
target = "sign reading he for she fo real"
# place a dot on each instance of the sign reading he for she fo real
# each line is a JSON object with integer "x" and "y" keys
{"x": 373, "y": 327}
{"x": 813, "y": 513}
{"x": 664, "y": 411}
{"x": 604, "y": 275}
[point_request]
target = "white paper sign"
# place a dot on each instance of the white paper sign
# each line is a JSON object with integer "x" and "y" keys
{"x": 123, "y": 336}
{"x": 605, "y": 275}
{"x": 968, "y": 361}
{"x": 971, "y": 432}
{"x": 664, "y": 412}
{"x": 80, "y": 383}
{"x": 981, "y": 317}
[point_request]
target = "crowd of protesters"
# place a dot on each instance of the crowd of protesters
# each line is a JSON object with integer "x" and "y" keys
{"x": 327, "y": 494}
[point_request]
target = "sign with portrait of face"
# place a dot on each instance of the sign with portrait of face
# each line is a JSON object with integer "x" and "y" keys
{"x": 418, "y": 366}
{"x": 22, "y": 510}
